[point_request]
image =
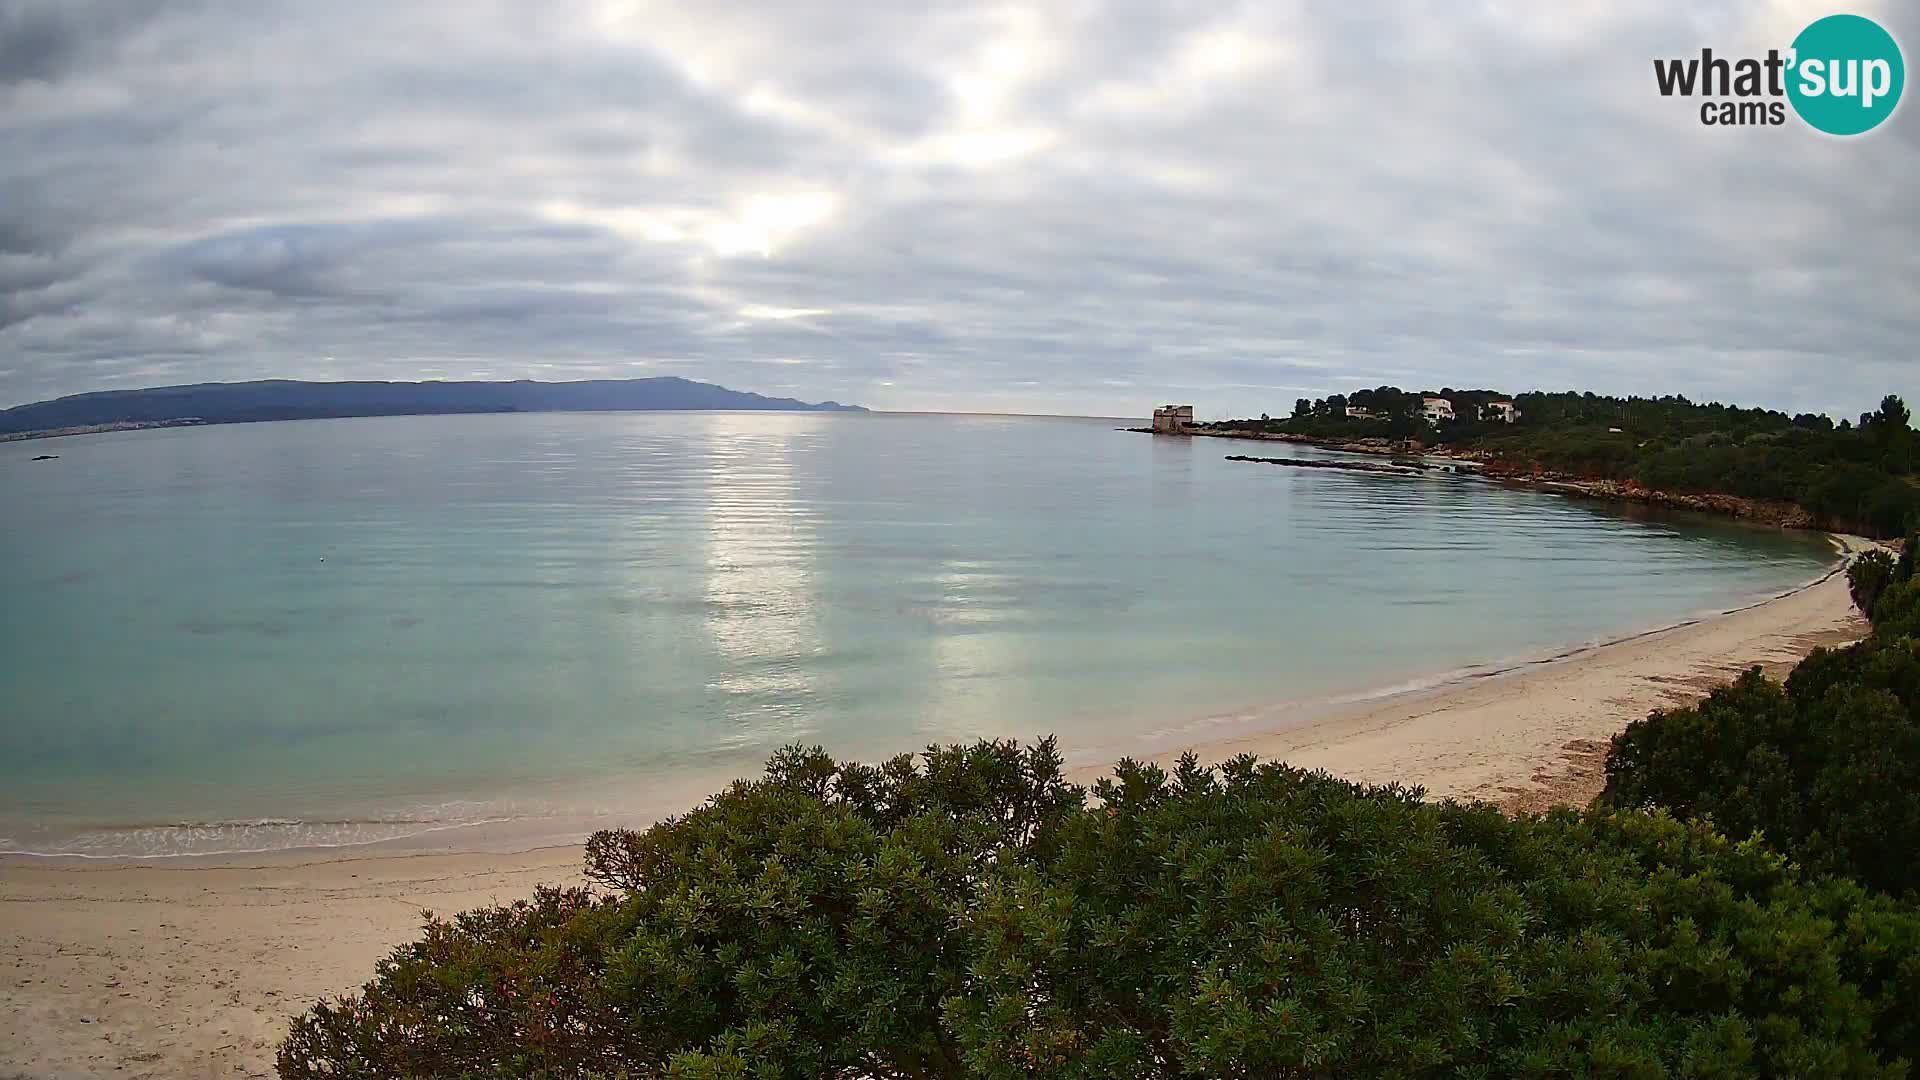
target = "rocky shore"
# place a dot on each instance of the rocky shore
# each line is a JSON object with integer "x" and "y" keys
{"x": 1397, "y": 468}
{"x": 1411, "y": 454}
{"x": 1376, "y": 447}
{"x": 1783, "y": 515}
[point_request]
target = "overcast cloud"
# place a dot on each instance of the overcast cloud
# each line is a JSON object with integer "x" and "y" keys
{"x": 1072, "y": 206}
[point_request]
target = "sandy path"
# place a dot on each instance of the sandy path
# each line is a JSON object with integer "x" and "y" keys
{"x": 176, "y": 971}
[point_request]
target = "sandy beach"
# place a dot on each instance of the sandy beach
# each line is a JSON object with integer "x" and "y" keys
{"x": 1535, "y": 736}
{"x": 151, "y": 970}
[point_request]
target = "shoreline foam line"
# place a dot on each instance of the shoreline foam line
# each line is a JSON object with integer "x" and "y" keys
{"x": 1490, "y": 738}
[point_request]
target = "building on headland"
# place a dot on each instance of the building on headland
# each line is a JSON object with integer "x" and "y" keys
{"x": 1355, "y": 412}
{"x": 1436, "y": 409}
{"x": 1503, "y": 411}
{"x": 1172, "y": 419}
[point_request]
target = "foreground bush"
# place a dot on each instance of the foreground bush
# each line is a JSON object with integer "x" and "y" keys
{"x": 1896, "y": 614}
{"x": 1826, "y": 767}
{"x": 971, "y": 915}
{"x": 806, "y": 920}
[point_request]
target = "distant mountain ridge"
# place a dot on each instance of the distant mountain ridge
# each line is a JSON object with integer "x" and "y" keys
{"x": 292, "y": 399}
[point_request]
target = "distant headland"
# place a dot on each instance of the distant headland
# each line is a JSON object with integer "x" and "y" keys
{"x": 290, "y": 399}
{"x": 1801, "y": 471}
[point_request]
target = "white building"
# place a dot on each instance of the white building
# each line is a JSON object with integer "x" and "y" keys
{"x": 1172, "y": 419}
{"x": 1357, "y": 413}
{"x": 1436, "y": 409}
{"x": 1503, "y": 411}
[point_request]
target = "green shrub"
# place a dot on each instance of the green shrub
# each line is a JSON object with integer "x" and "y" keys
{"x": 1896, "y": 614}
{"x": 971, "y": 915}
{"x": 804, "y": 919}
{"x": 1868, "y": 577}
{"x": 1827, "y": 767}
{"x": 1275, "y": 923}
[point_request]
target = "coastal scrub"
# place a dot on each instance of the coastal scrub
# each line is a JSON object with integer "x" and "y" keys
{"x": 1825, "y": 766}
{"x": 967, "y": 913}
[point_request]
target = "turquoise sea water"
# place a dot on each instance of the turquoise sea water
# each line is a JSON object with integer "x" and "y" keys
{"x": 267, "y": 636}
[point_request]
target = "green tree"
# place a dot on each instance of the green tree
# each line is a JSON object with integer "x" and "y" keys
{"x": 1893, "y": 414}
{"x": 969, "y": 914}
{"x": 1848, "y": 479}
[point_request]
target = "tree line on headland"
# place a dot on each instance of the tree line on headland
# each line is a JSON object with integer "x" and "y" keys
{"x": 1854, "y": 477}
{"x": 1738, "y": 902}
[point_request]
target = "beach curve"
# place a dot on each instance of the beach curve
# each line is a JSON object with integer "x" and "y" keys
{"x": 144, "y": 970}
{"x": 1534, "y": 734}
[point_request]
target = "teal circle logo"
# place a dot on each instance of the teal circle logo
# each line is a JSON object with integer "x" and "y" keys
{"x": 1846, "y": 74}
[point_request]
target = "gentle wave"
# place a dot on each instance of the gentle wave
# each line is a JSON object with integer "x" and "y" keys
{"x": 1293, "y": 713}
{"x": 250, "y": 837}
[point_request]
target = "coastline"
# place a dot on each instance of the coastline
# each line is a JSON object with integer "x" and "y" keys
{"x": 96, "y": 429}
{"x": 1533, "y": 735}
{"x": 1286, "y": 727}
{"x": 156, "y": 970}
{"x": 1481, "y": 464}
{"x": 1765, "y": 512}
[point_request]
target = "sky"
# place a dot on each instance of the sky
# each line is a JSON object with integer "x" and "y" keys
{"x": 1067, "y": 207}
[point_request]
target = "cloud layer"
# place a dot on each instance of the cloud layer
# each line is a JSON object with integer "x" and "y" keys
{"x": 1081, "y": 206}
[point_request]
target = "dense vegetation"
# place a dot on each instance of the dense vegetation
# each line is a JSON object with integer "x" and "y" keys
{"x": 969, "y": 914}
{"x": 1856, "y": 477}
{"x": 1827, "y": 766}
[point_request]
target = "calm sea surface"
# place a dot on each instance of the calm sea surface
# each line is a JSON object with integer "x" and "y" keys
{"x": 266, "y": 636}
